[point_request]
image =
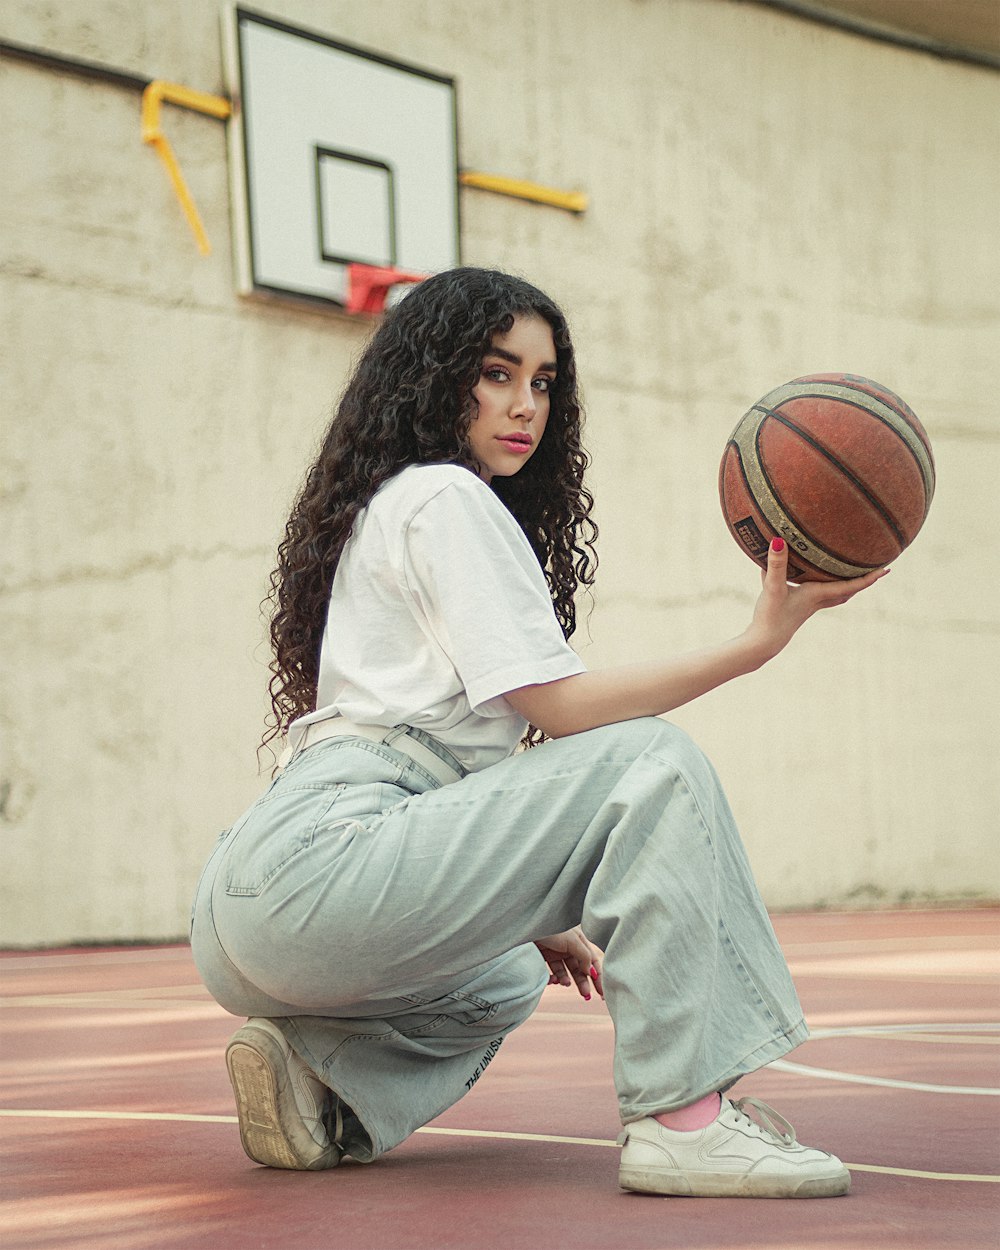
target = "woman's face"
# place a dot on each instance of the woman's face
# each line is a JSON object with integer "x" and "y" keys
{"x": 512, "y": 397}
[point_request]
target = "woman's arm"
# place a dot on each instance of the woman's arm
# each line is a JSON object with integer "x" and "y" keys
{"x": 591, "y": 699}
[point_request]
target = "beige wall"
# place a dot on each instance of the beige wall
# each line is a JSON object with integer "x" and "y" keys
{"x": 768, "y": 198}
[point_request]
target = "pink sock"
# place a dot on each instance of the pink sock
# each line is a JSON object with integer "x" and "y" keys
{"x": 700, "y": 1114}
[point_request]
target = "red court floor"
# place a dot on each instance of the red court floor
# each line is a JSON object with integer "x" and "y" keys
{"x": 118, "y": 1129}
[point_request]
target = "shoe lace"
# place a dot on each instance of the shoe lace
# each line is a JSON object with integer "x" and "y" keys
{"x": 766, "y": 1118}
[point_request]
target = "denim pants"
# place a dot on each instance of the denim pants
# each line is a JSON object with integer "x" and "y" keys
{"x": 386, "y": 923}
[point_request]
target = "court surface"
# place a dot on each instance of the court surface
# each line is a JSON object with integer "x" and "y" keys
{"x": 118, "y": 1129}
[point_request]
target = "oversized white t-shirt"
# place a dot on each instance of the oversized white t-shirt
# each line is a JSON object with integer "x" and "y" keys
{"x": 438, "y": 608}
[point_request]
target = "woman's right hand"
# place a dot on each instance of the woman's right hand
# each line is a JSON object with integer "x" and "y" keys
{"x": 572, "y": 957}
{"x": 782, "y": 608}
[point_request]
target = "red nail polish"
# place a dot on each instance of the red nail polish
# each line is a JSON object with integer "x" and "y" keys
{"x": 586, "y": 998}
{"x": 777, "y": 544}
{"x": 593, "y": 971}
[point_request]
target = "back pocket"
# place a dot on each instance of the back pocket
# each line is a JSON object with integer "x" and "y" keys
{"x": 280, "y": 826}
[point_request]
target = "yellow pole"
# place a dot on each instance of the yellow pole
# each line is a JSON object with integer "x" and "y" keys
{"x": 571, "y": 201}
{"x": 154, "y": 95}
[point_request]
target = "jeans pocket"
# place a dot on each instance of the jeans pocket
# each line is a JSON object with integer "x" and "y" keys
{"x": 443, "y": 1015}
{"x": 289, "y": 819}
{"x": 275, "y": 830}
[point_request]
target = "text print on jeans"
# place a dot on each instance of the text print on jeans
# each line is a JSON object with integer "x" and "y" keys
{"x": 484, "y": 1063}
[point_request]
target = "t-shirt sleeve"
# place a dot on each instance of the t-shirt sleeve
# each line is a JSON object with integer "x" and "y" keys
{"x": 477, "y": 583}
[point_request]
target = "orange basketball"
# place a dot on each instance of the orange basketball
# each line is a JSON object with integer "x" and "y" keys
{"x": 836, "y": 465}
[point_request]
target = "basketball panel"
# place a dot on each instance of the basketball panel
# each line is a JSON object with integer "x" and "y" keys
{"x": 823, "y": 501}
{"x": 870, "y": 451}
{"x": 750, "y": 527}
{"x": 868, "y": 387}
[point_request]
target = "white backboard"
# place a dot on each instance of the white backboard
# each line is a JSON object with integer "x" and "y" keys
{"x": 338, "y": 154}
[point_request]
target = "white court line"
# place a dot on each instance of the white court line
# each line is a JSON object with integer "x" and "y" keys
{"x": 972, "y": 944}
{"x": 916, "y": 1033}
{"x": 854, "y": 1078}
{"x": 13, "y": 1113}
{"x": 109, "y": 1000}
{"x": 901, "y": 1033}
{"x": 897, "y": 1032}
{"x": 155, "y": 1116}
{"x": 127, "y": 955}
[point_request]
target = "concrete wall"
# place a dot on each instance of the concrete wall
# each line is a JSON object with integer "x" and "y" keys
{"x": 768, "y": 198}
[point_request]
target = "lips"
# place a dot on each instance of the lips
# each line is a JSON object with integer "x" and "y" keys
{"x": 516, "y": 442}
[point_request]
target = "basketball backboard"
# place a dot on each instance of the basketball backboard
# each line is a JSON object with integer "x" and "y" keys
{"x": 339, "y": 157}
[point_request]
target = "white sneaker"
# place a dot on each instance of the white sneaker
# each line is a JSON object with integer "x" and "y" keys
{"x": 284, "y": 1109}
{"x": 734, "y": 1157}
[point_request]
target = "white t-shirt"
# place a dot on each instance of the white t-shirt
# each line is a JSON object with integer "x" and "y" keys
{"x": 438, "y": 608}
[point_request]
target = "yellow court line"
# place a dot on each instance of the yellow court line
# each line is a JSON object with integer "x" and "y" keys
{"x": 456, "y": 1132}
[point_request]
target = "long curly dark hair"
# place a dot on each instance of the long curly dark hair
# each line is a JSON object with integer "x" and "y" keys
{"x": 409, "y": 402}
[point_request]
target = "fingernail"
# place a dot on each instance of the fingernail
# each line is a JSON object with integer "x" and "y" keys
{"x": 593, "y": 970}
{"x": 586, "y": 998}
{"x": 777, "y": 544}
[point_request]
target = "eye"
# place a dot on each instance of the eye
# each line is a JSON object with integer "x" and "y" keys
{"x": 496, "y": 373}
{"x": 543, "y": 384}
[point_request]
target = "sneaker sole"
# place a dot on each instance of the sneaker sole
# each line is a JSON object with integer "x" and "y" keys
{"x": 721, "y": 1185}
{"x": 271, "y": 1134}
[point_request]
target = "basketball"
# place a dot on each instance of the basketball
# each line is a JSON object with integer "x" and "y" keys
{"x": 836, "y": 465}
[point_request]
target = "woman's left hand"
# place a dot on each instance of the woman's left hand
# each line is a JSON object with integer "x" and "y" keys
{"x": 572, "y": 959}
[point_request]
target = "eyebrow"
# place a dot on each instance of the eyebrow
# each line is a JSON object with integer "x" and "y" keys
{"x": 548, "y": 366}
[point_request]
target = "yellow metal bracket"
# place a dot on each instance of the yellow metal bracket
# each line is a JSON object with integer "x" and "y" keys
{"x": 159, "y": 92}
{"x": 154, "y": 95}
{"x": 571, "y": 201}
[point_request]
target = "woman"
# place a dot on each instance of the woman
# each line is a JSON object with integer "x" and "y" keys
{"x": 397, "y": 900}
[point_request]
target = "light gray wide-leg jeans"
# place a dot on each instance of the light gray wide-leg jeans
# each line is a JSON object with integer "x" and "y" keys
{"x": 386, "y": 923}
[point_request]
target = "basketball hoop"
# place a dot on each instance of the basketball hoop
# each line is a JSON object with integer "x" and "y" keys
{"x": 368, "y": 286}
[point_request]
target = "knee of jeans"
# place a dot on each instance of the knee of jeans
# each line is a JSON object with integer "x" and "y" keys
{"x": 664, "y": 741}
{"x": 525, "y": 984}
{"x": 514, "y": 982}
{"x": 647, "y": 732}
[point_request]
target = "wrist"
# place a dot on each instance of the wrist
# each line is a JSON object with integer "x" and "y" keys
{"x": 754, "y": 650}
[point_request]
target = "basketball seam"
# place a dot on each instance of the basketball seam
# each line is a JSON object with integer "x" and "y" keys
{"x": 824, "y": 547}
{"x": 899, "y": 406}
{"x": 799, "y": 555}
{"x": 744, "y": 437}
{"x": 928, "y": 483}
{"x": 813, "y": 442}
{"x": 836, "y": 391}
{"x": 749, "y": 491}
{"x": 759, "y": 556}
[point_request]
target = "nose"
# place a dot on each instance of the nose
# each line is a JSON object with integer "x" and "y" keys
{"x": 524, "y": 402}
